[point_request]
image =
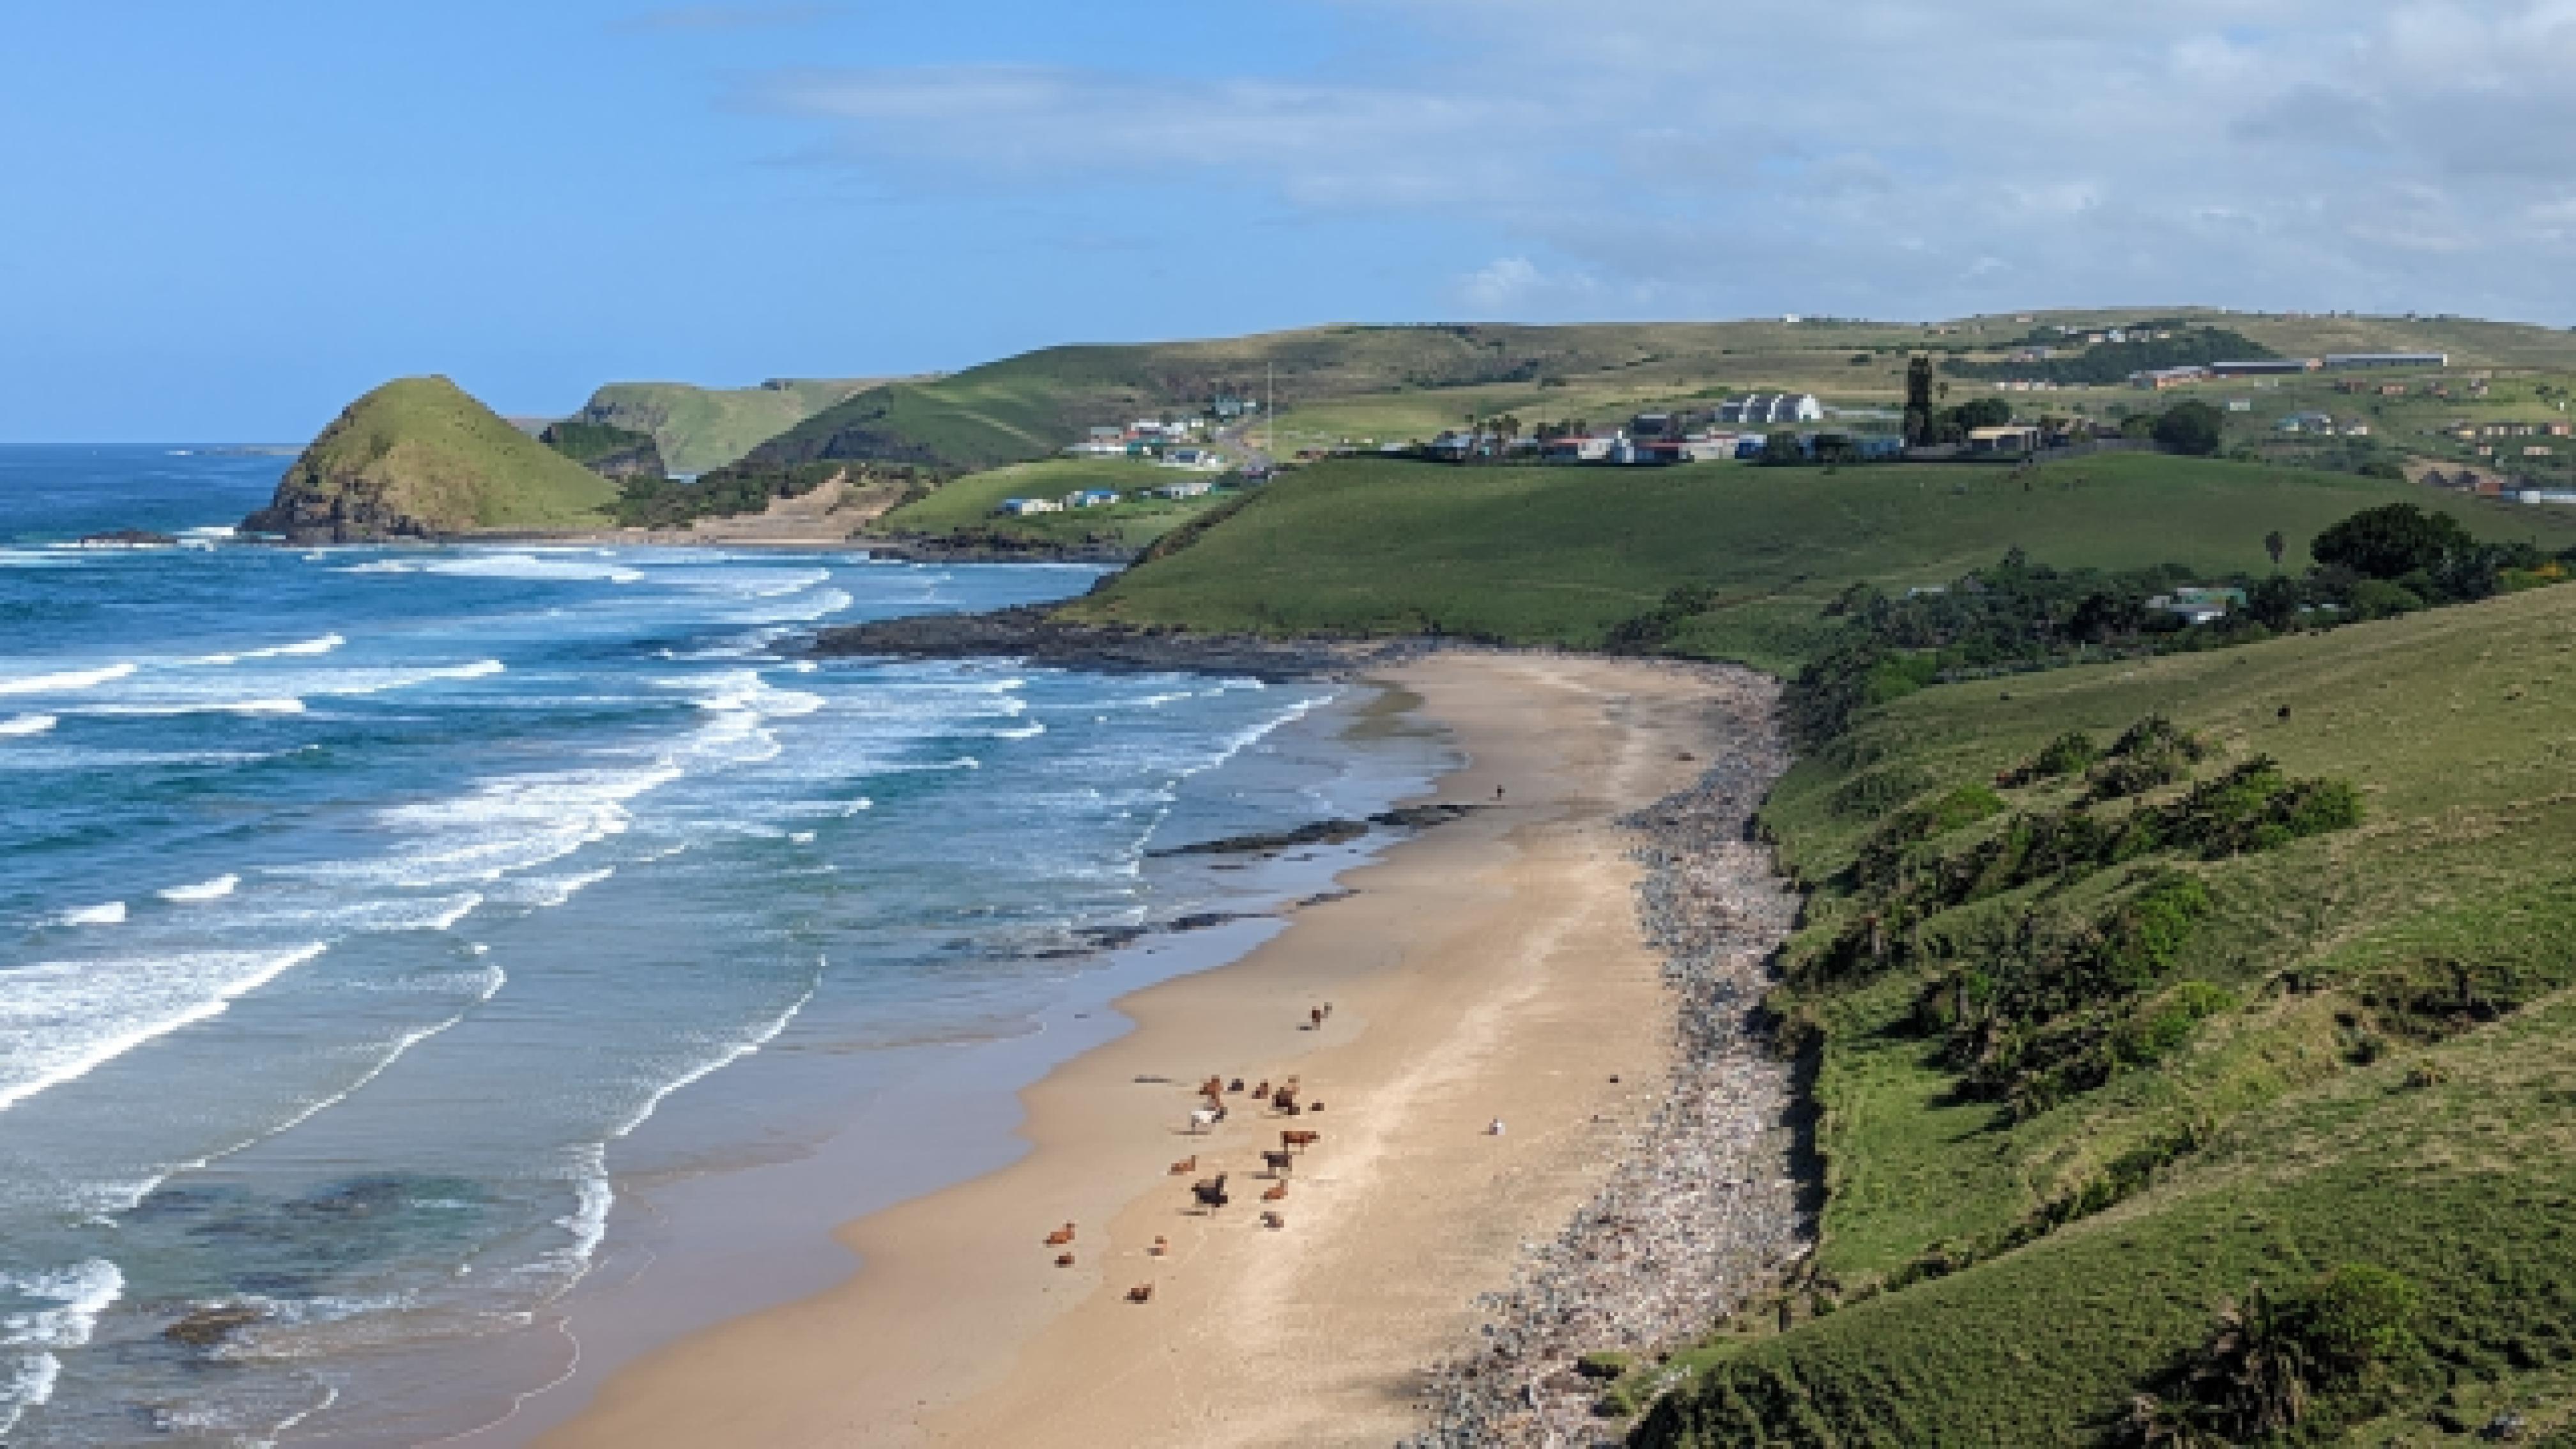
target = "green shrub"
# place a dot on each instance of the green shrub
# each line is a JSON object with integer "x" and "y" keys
{"x": 2064, "y": 755}
{"x": 2358, "y": 1321}
{"x": 1875, "y": 792}
{"x": 2380, "y": 599}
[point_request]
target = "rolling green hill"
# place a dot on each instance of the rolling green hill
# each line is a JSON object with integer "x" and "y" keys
{"x": 419, "y": 458}
{"x": 2304, "y": 1057}
{"x": 699, "y": 429}
{"x": 1562, "y": 555}
{"x": 1026, "y": 407}
{"x": 1339, "y": 382}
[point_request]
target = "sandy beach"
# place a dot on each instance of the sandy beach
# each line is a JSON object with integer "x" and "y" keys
{"x": 1491, "y": 969}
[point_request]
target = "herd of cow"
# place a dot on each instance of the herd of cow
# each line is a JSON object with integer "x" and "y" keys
{"x": 1208, "y": 1194}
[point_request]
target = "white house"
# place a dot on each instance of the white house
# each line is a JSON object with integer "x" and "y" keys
{"x": 1762, "y": 408}
{"x": 1194, "y": 488}
{"x": 1201, "y": 460}
{"x": 1016, "y": 507}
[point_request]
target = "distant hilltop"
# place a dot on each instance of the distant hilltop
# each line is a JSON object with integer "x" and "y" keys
{"x": 419, "y": 458}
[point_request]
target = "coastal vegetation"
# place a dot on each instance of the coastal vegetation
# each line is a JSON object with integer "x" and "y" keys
{"x": 419, "y": 458}
{"x": 2187, "y": 1036}
{"x": 608, "y": 451}
{"x": 653, "y": 501}
{"x": 1717, "y": 561}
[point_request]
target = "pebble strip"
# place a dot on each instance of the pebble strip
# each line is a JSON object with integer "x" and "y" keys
{"x": 1701, "y": 1212}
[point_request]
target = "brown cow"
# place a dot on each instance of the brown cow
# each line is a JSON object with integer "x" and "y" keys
{"x": 1291, "y": 1138}
{"x": 1064, "y": 1260}
{"x": 1060, "y": 1236}
{"x": 1275, "y": 1193}
{"x": 1186, "y": 1166}
{"x": 1141, "y": 1293}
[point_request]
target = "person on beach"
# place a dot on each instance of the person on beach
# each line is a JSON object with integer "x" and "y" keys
{"x": 1494, "y": 1128}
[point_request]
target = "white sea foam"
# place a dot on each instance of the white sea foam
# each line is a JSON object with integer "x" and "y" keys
{"x": 380, "y": 681}
{"x": 25, "y": 725}
{"x": 323, "y": 645}
{"x": 30, "y": 1385}
{"x": 60, "y": 1020}
{"x": 724, "y": 1056}
{"x": 79, "y": 1294}
{"x": 379, "y": 566}
{"x": 801, "y": 837}
{"x": 546, "y": 568}
{"x": 1029, "y": 731}
{"x": 212, "y": 890}
{"x": 548, "y": 891}
{"x": 111, "y": 913}
{"x": 65, "y": 681}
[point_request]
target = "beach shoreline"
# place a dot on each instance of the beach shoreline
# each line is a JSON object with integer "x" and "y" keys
{"x": 1492, "y": 969}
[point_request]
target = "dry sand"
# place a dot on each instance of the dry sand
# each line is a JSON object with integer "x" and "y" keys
{"x": 1492, "y": 968}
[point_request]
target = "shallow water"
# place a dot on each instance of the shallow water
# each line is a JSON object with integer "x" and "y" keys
{"x": 361, "y": 905}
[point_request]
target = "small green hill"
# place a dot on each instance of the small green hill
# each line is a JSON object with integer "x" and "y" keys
{"x": 700, "y": 429}
{"x": 2097, "y": 1049}
{"x": 963, "y": 511}
{"x": 609, "y": 452}
{"x": 1561, "y": 556}
{"x": 419, "y": 458}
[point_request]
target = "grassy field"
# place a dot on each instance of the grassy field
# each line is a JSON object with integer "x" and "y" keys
{"x": 703, "y": 428}
{"x": 1336, "y": 383}
{"x": 964, "y": 508}
{"x": 2390, "y": 1087}
{"x": 420, "y": 446}
{"x": 1561, "y": 555}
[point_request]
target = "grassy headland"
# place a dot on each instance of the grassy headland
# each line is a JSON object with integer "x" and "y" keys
{"x": 1565, "y": 555}
{"x": 2074, "y": 1096}
{"x": 418, "y": 457}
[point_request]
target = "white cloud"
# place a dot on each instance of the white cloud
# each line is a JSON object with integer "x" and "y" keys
{"x": 1516, "y": 287}
{"x": 1889, "y": 157}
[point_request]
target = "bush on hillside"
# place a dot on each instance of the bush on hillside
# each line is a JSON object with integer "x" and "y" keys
{"x": 2192, "y": 427}
{"x": 2391, "y": 542}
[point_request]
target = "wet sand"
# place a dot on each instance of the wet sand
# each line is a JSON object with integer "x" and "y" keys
{"x": 1492, "y": 968}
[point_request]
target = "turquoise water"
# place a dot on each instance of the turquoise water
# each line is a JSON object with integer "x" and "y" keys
{"x": 359, "y": 906}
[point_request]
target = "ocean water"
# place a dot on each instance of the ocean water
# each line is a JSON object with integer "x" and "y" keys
{"x": 360, "y": 909}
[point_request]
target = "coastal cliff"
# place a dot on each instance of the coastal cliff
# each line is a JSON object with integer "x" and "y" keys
{"x": 420, "y": 458}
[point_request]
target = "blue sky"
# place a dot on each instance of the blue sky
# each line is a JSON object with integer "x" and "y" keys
{"x": 225, "y": 221}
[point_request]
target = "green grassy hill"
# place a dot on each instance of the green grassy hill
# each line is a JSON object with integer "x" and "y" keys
{"x": 1340, "y": 383}
{"x": 2356, "y": 1054}
{"x": 418, "y": 457}
{"x": 699, "y": 429}
{"x": 963, "y": 510}
{"x": 1026, "y": 407}
{"x": 1561, "y": 555}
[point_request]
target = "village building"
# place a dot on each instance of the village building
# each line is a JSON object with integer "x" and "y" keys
{"x": 1762, "y": 408}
